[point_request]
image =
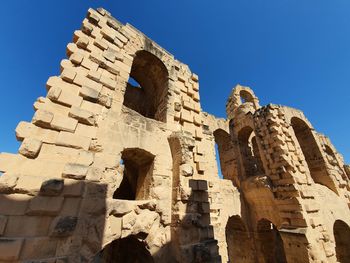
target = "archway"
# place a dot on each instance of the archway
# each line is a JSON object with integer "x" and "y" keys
{"x": 312, "y": 153}
{"x": 342, "y": 241}
{"x": 126, "y": 250}
{"x": 147, "y": 89}
{"x": 239, "y": 244}
{"x": 270, "y": 244}
{"x": 225, "y": 154}
{"x": 250, "y": 153}
{"x": 138, "y": 169}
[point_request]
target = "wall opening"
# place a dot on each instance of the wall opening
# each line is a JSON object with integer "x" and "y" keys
{"x": 312, "y": 153}
{"x": 246, "y": 97}
{"x": 138, "y": 170}
{"x": 147, "y": 89}
{"x": 250, "y": 153}
{"x": 240, "y": 247}
{"x": 342, "y": 241}
{"x": 225, "y": 155}
{"x": 270, "y": 243}
{"x": 126, "y": 250}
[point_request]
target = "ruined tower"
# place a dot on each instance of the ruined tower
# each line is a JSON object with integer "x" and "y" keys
{"x": 118, "y": 165}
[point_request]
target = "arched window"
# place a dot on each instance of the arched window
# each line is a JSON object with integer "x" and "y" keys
{"x": 270, "y": 243}
{"x": 225, "y": 155}
{"x": 147, "y": 89}
{"x": 342, "y": 241}
{"x": 312, "y": 153}
{"x": 246, "y": 96}
{"x": 250, "y": 154}
{"x": 239, "y": 244}
{"x": 137, "y": 175}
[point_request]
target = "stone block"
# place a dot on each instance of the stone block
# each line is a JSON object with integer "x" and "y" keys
{"x": 42, "y": 118}
{"x": 27, "y": 226}
{"x": 86, "y": 131}
{"x": 63, "y": 226}
{"x": 73, "y": 188}
{"x": 54, "y": 93}
{"x": 10, "y": 249}
{"x": 30, "y": 147}
{"x": 45, "y": 205}
{"x": 94, "y": 174}
{"x": 89, "y": 93}
{"x": 76, "y": 58}
{"x": 71, "y": 206}
{"x": 38, "y": 248}
{"x": 94, "y": 75}
{"x": 14, "y": 204}
{"x": 52, "y": 187}
{"x": 73, "y": 140}
{"x": 69, "y": 98}
{"x": 202, "y": 185}
{"x": 3, "y": 221}
{"x": 75, "y": 171}
{"x": 82, "y": 116}
{"x": 63, "y": 123}
{"x": 68, "y": 75}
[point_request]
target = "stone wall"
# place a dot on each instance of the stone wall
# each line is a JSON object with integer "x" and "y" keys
{"x": 119, "y": 165}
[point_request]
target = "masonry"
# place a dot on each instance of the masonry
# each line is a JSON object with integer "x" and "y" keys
{"x": 119, "y": 165}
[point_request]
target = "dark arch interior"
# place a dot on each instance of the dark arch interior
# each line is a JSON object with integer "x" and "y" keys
{"x": 342, "y": 241}
{"x": 138, "y": 170}
{"x": 150, "y": 97}
{"x": 250, "y": 152}
{"x": 246, "y": 96}
{"x": 240, "y": 247}
{"x": 270, "y": 244}
{"x": 126, "y": 250}
{"x": 312, "y": 153}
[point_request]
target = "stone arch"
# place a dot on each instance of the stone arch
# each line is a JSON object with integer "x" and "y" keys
{"x": 250, "y": 154}
{"x": 138, "y": 166}
{"x": 129, "y": 250}
{"x": 269, "y": 243}
{"x": 151, "y": 96}
{"x": 239, "y": 241}
{"x": 226, "y": 154}
{"x": 312, "y": 153}
{"x": 342, "y": 241}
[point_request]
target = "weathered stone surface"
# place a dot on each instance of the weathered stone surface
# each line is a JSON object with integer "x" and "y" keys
{"x": 140, "y": 171}
{"x": 30, "y": 147}
{"x": 63, "y": 226}
{"x": 52, "y": 187}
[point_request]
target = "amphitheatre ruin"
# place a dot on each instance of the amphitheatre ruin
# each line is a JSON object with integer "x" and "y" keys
{"x": 109, "y": 171}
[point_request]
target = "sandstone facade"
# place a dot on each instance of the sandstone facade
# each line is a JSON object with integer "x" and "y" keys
{"x": 112, "y": 172}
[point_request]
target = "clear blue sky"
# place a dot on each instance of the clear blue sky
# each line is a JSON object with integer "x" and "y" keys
{"x": 295, "y": 53}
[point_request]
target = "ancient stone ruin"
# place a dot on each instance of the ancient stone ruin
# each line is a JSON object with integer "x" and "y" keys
{"x": 118, "y": 165}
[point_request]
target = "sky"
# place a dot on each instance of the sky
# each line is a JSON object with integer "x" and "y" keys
{"x": 294, "y": 53}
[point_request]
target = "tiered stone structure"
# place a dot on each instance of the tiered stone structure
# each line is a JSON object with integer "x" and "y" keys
{"x": 110, "y": 171}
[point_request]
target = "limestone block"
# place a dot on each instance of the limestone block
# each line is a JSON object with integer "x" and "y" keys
{"x": 42, "y": 118}
{"x": 52, "y": 187}
{"x": 73, "y": 188}
{"x": 109, "y": 83}
{"x": 29, "y": 184}
{"x": 75, "y": 171}
{"x": 76, "y": 58}
{"x": 7, "y": 182}
{"x": 71, "y": 206}
{"x": 14, "y": 204}
{"x": 94, "y": 75}
{"x": 94, "y": 174}
{"x": 89, "y": 93}
{"x": 10, "y": 248}
{"x": 202, "y": 185}
{"x": 63, "y": 123}
{"x": 82, "y": 42}
{"x": 101, "y": 44}
{"x": 113, "y": 228}
{"x": 186, "y": 116}
{"x": 3, "y": 221}
{"x": 54, "y": 93}
{"x": 39, "y": 247}
{"x": 87, "y": 131}
{"x": 73, "y": 140}
{"x": 93, "y": 107}
{"x": 200, "y": 167}
{"x": 120, "y": 207}
{"x": 82, "y": 115}
{"x": 68, "y": 75}
{"x": 63, "y": 226}
{"x": 45, "y": 205}
{"x": 30, "y": 147}
{"x": 186, "y": 170}
{"x": 69, "y": 98}
{"x": 84, "y": 158}
{"x": 89, "y": 64}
